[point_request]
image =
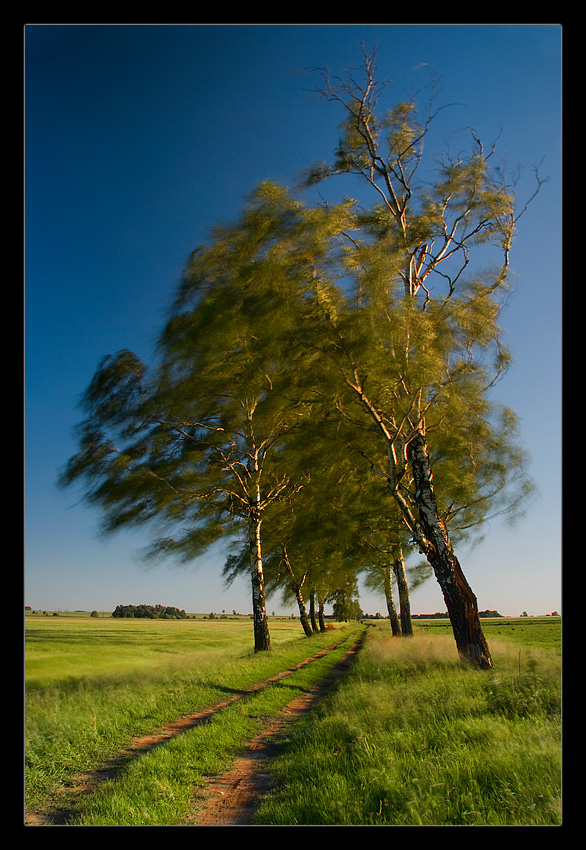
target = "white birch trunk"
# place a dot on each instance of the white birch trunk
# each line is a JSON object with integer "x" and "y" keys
{"x": 312, "y": 612}
{"x": 321, "y": 614}
{"x": 395, "y": 625}
{"x": 296, "y": 585}
{"x": 404, "y": 602}
{"x": 262, "y": 641}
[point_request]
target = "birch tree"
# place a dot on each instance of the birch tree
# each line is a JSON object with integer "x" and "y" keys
{"x": 424, "y": 339}
{"x": 192, "y": 465}
{"x": 186, "y": 446}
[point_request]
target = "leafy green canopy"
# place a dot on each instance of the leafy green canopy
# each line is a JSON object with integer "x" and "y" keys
{"x": 418, "y": 342}
{"x": 188, "y": 445}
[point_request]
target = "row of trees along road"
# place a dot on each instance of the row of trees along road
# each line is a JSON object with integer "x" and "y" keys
{"x": 320, "y": 396}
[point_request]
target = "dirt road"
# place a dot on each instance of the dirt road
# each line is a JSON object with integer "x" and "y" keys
{"x": 231, "y": 799}
{"x": 227, "y": 799}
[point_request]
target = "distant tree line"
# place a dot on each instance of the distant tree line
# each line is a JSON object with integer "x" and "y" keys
{"x": 440, "y": 616}
{"x": 149, "y": 612}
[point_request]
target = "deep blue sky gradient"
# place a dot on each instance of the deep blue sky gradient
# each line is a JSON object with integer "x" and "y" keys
{"x": 139, "y": 138}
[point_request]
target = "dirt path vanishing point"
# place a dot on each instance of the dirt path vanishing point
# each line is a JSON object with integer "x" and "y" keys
{"x": 231, "y": 798}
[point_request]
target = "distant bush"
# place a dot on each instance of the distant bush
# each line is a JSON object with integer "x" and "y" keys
{"x": 149, "y": 612}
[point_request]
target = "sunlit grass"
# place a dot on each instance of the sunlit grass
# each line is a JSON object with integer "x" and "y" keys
{"x": 411, "y": 737}
{"x": 63, "y": 649}
{"x": 524, "y": 631}
{"x": 160, "y": 787}
{"x": 408, "y": 737}
{"x": 75, "y": 722}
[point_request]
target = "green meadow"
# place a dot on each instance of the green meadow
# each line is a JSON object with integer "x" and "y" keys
{"x": 69, "y": 649}
{"x": 91, "y": 685}
{"x": 409, "y": 736}
{"x": 412, "y": 737}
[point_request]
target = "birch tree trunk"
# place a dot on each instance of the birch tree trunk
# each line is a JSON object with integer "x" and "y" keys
{"x": 459, "y": 598}
{"x": 312, "y": 612}
{"x": 431, "y": 534}
{"x": 404, "y": 602}
{"x": 296, "y": 586}
{"x": 303, "y": 618}
{"x": 262, "y": 641}
{"x": 395, "y": 625}
{"x": 321, "y": 615}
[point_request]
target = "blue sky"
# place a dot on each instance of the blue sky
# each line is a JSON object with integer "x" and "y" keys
{"x": 139, "y": 138}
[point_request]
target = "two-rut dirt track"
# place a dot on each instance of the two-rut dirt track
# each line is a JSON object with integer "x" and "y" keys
{"x": 229, "y": 799}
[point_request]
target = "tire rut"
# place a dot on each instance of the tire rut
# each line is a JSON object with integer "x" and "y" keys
{"x": 69, "y": 793}
{"x": 232, "y": 798}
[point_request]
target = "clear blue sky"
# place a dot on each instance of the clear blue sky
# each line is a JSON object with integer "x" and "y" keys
{"x": 139, "y": 138}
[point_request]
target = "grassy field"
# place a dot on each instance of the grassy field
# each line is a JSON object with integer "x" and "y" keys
{"x": 408, "y": 737}
{"x": 71, "y": 648}
{"x": 93, "y": 684}
{"x": 524, "y": 631}
{"x": 411, "y": 737}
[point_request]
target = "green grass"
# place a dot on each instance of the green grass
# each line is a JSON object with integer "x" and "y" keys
{"x": 412, "y": 737}
{"x": 524, "y": 631}
{"x": 70, "y": 649}
{"x": 159, "y": 788}
{"x": 92, "y": 685}
{"x": 408, "y": 737}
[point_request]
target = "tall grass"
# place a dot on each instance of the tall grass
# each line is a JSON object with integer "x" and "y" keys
{"x": 412, "y": 737}
{"x": 161, "y": 787}
{"x": 408, "y": 737}
{"x": 78, "y": 715}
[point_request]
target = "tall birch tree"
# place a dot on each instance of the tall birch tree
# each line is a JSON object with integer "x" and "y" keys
{"x": 424, "y": 339}
{"x": 188, "y": 446}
